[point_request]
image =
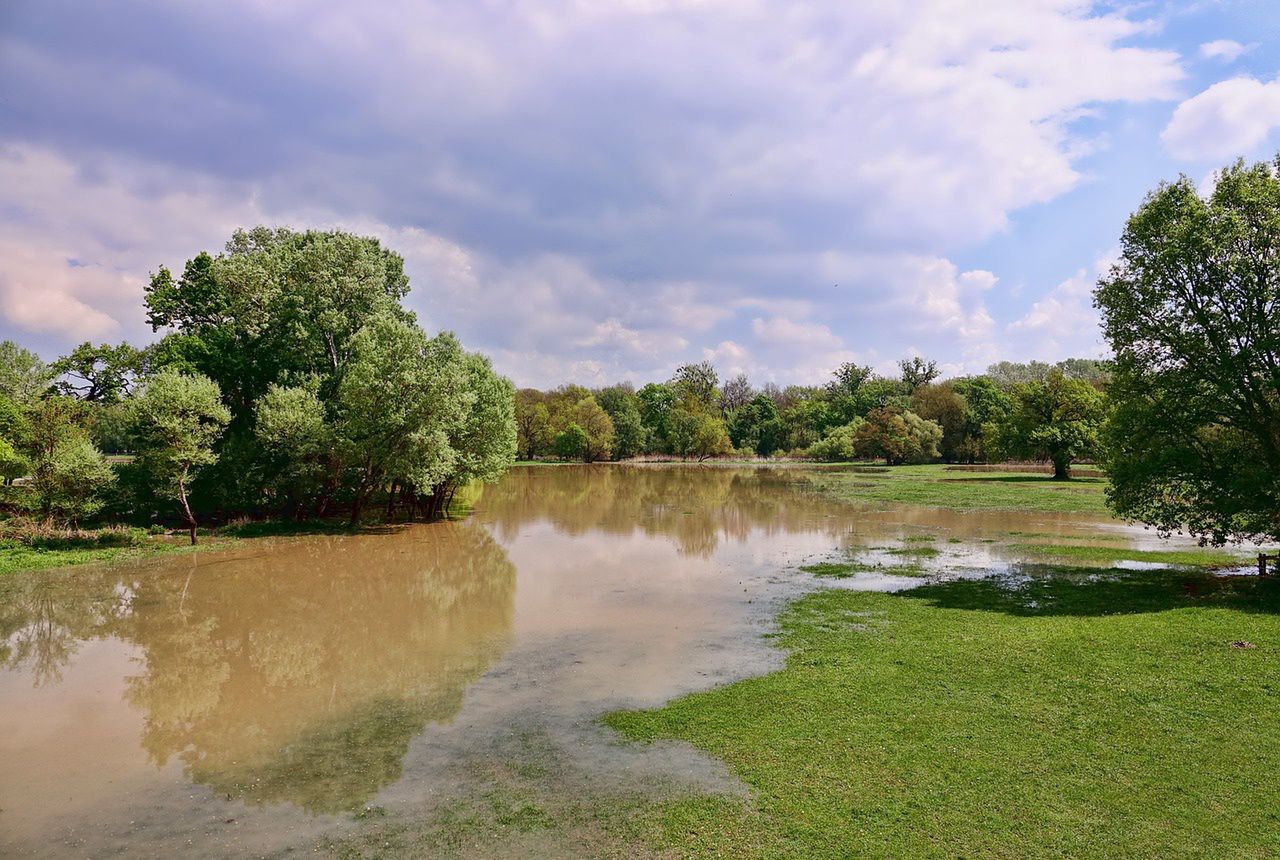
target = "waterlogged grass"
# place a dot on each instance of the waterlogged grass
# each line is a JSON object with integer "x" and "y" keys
{"x": 16, "y": 557}
{"x": 1109, "y": 715}
{"x": 934, "y": 486}
{"x": 23, "y": 558}
{"x": 1096, "y": 554}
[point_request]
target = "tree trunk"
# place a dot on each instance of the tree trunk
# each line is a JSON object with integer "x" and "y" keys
{"x": 391, "y": 501}
{"x": 186, "y": 505}
{"x": 1061, "y": 469}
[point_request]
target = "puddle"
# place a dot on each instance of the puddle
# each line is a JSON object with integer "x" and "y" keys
{"x": 260, "y": 699}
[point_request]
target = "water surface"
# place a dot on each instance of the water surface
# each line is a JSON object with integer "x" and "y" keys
{"x": 260, "y": 699}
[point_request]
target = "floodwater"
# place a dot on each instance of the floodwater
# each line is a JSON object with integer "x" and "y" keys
{"x": 265, "y": 698}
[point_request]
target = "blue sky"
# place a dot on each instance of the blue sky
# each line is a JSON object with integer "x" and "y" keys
{"x": 592, "y": 192}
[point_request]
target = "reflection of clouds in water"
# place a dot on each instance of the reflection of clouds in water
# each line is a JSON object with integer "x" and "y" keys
{"x": 301, "y": 674}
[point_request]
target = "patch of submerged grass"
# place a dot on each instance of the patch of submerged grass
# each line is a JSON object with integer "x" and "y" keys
{"x": 845, "y": 569}
{"x": 933, "y": 486}
{"x": 920, "y": 538}
{"x": 1070, "y": 716}
{"x": 1096, "y": 554}
{"x": 916, "y": 551}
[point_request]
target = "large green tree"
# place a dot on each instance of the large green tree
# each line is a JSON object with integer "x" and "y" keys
{"x": 179, "y": 419}
{"x": 1192, "y": 313}
{"x": 1058, "y": 420}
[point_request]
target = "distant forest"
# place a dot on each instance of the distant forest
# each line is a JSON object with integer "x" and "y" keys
{"x": 1034, "y": 411}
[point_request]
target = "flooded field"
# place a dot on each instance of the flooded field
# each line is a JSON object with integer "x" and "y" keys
{"x": 289, "y": 691}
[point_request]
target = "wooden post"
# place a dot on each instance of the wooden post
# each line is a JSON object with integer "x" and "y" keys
{"x": 1262, "y": 563}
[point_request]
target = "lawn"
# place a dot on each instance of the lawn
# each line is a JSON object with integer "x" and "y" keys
{"x": 1104, "y": 715}
{"x": 937, "y": 487}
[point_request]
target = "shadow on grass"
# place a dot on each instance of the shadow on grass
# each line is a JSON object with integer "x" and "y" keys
{"x": 993, "y": 478}
{"x": 1053, "y": 591}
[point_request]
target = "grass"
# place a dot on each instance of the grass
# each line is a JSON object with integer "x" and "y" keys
{"x": 1107, "y": 715}
{"x": 16, "y": 556}
{"x": 14, "y": 559}
{"x": 934, "y": 486}
{"x": 1095, "y": 554}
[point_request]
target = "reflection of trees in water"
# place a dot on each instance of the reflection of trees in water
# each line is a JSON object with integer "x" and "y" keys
{"x": 45, "y": 616}
{"x": 302, "y": 674}
{"x": 696, "y": 506}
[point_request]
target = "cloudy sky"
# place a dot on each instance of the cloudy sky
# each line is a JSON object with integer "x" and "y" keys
{"x": 595, "y": 191}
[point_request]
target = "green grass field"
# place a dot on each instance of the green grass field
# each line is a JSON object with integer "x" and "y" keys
{"x": 935, "y": 486}
{"x": 1086, "y": 716}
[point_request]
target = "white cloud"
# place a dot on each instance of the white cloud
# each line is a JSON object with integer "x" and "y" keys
{"x": 1064, "y": 323}
{"x": 1226, "y": 50}
{"x": 585, "y": 190}
{"x": 780, "y": 331}
{"x": 1227, "y": 120}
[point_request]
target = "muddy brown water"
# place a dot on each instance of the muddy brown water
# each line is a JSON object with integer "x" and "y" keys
{"x": 260, "y": 699}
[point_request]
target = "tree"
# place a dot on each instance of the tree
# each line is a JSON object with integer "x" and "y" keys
{"x": 400, "y": 398}
{"x": 697, "y": 384}
{"x": 597, "y": 426}
{"x": 941, "y": 404}
{"x": 839, "y": 445}
{"x": 898, "y": 435}
{"x": 98, "y": 374}
{"x": 485, "y": 439}
{"x": 757, "y": 426}
{"x": 179, "y": 419}
{"x": 656, "y": 402}
{"x": 737, "y": 392}
{"x": 68, "y": 474}
{"x": 12, "y": 463}
{"x": 917, "y": 372}
{"x": 986, "y": 405}
{"x": 572, "y": 443}
{"x": 534, "y": 434}
{"x": 696, "y": 434}
{"x": 629, "y": 434}
{"x": 1057, "y": 420}
{"x": 1191, "y": 312}
{"x": 296, "y": 438}
{"x": 23, "y": 376}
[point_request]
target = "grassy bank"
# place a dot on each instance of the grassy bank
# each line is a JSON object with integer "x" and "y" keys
{"x": 27, "y": 552}
{"x": 935, "y": 486}
{"x": 1121, "y": 714}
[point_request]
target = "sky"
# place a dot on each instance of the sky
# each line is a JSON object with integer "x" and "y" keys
{"x": 593, "y": 192}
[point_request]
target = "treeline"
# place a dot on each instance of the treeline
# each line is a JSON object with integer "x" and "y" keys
{"x": 1034, "y": 411}
{"x": 289, "y": 380}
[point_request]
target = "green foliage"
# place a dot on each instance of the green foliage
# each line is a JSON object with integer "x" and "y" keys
{"x": 178, "y": 419}
{"x": 917, "y": 372}
{"x": 296, "y": 440}
{"x": 839, "y": 445}
{"x": 898, "y": 435}
{"x": 485, "y": 439}
{"x": 943, "y": 405}
{"x": 534, "y": 433}
{"x": 630, "y": 436}
{"x": 23, "y": 376}
{"x": 68, "y": 474}
{"x": 757, "y": 426}
{"x": 572, "y": 443}
{"x": 398, "y": 401}
{"x": 99, "y": 374}
{"x": 1191, "y": 312}
{"x": 1058, "y": 419}
{"x": 696, "y": 387}
{"x": 656, "y": 402}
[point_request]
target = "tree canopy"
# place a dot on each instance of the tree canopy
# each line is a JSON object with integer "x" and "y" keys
{"x": 1192, "y": 313}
